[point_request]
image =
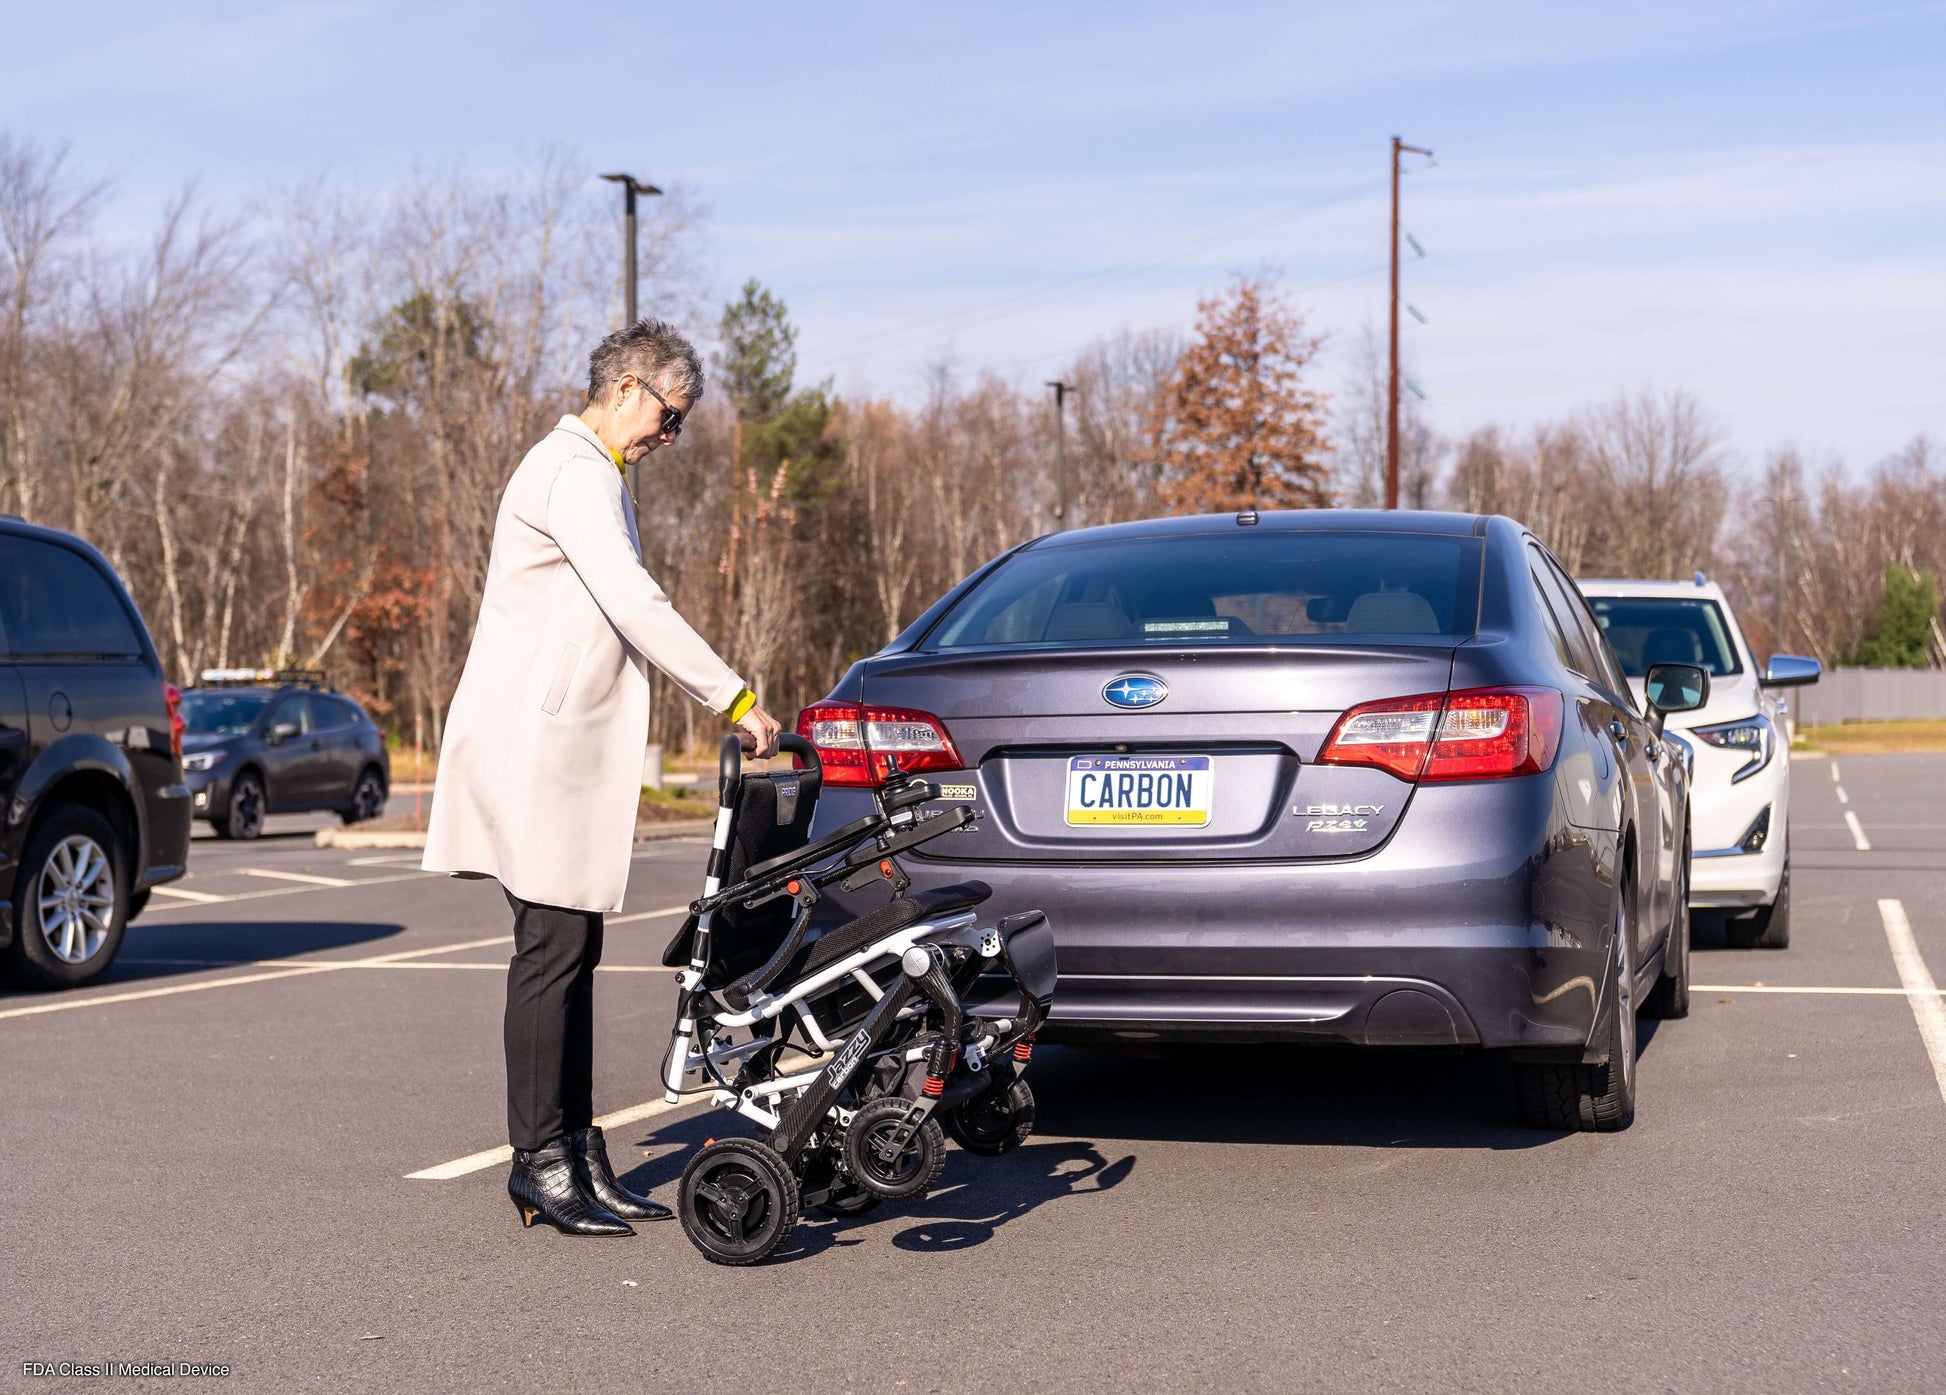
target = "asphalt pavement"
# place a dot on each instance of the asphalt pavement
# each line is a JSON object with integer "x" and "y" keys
{"x": 268, "y": 1140}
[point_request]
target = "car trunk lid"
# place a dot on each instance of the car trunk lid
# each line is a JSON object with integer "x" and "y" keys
{"x": 1237, "y": 734}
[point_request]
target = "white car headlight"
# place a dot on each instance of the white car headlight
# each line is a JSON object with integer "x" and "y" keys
{"x": 202, "y": 760}
{"x": 1752, "y": 735}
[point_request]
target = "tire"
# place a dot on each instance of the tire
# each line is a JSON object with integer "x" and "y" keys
{"x": 243, "y": 817}
{"x": 73, "y": 900}
{"x": 995, "y": 1123}
{"x": 888, "y": 1158}
{"x": 738, "y": 1201}
{"x": 138, "y": 903}
{"x": 368, "y": 797}
{"x": 1580, "y": 1098}
{"x": 1770, "y": 927}
{"x": 1669, "y": 998}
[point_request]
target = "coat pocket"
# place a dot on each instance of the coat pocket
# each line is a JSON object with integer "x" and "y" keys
{"x": 557, "y": 691}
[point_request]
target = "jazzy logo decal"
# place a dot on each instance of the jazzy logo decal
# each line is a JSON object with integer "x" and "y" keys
{"x": 1135, "y": 690}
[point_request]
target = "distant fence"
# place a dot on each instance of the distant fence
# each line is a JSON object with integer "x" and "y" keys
{"x": 1870, "y": 695}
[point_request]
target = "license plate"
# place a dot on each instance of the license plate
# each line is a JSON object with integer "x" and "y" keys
{"x": 1140, "y": 791}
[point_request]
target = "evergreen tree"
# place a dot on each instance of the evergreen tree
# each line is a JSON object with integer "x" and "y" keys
{"x": 1896, "y": 637}
{"x": 759, "y": 356}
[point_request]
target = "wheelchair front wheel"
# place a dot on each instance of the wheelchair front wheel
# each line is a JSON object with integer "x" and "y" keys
{"x": 738, "y": 1201}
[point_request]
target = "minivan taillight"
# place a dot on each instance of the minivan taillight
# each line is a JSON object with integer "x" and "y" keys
{"x": 172, "y": 699}
{"x": 858, "y": 742}
{"x": 1482, "y": 734}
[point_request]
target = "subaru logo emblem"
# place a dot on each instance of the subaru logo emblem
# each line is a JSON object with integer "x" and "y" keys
{"x": 1135, "y": 690}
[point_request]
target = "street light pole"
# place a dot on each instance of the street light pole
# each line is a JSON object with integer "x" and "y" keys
{"x": 631, "y": 186}
{"x": 1061, "y": 391}
{"x": 1392, "y": 380}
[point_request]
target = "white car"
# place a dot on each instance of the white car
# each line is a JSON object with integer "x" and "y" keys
{"x": 1740, "y": 800}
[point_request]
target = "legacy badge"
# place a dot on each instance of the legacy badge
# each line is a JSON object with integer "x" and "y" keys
{"x": 1338, "y": 818}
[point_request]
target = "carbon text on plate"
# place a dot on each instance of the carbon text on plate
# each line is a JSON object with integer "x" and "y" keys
{"x": 1140, "y": 791}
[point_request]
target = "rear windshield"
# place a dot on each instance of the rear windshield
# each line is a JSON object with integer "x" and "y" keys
{"x": 1665, "y": 630}
{"x": 1223, "y": 588}
{"x": 222, "y": 714}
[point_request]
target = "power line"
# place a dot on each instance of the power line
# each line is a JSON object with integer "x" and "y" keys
{"x": 851, "y": 352}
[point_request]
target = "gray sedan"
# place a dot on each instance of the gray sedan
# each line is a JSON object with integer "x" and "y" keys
{"x": 1367, "y": 778}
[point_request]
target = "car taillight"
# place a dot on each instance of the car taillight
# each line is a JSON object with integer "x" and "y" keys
{"x": 172, "y": 699}
{"x": 1482, "y": 734}
{"x": 857, "y": 743}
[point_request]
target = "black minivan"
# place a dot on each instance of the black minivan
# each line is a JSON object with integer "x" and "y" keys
{"x": 96, "y": 811}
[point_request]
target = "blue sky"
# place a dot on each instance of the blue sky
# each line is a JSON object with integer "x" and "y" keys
{"x": 1744, "y": 200}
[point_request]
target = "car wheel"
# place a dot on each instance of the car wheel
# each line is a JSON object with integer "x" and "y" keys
{"x": 73, "y": 900}
{"x": 1670, "y": 996}
{"x": 244, "y": 819}
{"x": 138, "y": 903}
{"x": 1583, "y": 1098}
{"x": 367, "y": 797}
{"x": 1770, "y": 927}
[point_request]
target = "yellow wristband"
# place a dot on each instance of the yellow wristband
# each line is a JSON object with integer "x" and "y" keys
{"x": 745, "y": 701}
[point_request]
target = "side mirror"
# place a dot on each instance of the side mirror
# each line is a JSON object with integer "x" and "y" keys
{"x": 1791, "y": 671}
{"x": 280, "y": 733}
{"x": 1676, "y": 688}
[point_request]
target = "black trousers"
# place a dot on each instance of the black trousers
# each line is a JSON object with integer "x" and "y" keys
{"x": 550, "y": 1029}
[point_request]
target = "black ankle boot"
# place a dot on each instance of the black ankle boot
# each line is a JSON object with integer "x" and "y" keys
{"x": 543, "y": 1187}
{"x": 597, "y": 1179}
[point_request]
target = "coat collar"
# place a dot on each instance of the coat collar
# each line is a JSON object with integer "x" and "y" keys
{"x": 576, "y": 427}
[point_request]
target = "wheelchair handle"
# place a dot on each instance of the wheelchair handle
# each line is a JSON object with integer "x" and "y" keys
{"x": 729, "y": 767}
{"x": 811, "y": 776}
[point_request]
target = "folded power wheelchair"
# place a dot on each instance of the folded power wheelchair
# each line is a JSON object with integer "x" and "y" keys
{"x": 878, "y": 1005}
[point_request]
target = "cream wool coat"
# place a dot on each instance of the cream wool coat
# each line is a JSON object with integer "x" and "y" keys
{"x": 542, "y": 762}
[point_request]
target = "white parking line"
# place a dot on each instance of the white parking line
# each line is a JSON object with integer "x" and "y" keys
{"x": 1803, "y": 988}
{"x": 479, "y": 1162}
{"x": 1842, "y": 799}
{"x": 1857, "y": 832}
{"x": 201, "y": 898}
{"x": 646, "y": 915}
{"x": 307, "y": 877}
{"x": 621, "y": 1118}
{"x": 1922, "y": 993}
{"x": 297, "y": 890}
{"x": 1834, "y": 772}
{"x": 391, "y": 859}
{"x": 274, "y": 969}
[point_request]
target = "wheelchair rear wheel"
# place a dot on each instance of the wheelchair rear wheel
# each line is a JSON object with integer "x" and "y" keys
{"x": 997, "y": 1122}
{"x": 738, "y": 1201}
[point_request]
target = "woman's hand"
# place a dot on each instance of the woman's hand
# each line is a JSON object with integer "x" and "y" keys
{"x": 758, "y": 733}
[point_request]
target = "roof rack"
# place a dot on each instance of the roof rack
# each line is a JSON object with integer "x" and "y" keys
{"x": 258, "y": 677}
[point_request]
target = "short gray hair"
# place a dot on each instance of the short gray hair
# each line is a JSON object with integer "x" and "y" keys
{"x": 654, "y": 352}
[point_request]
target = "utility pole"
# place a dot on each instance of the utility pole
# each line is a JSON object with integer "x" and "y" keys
{"x": 1392, "y": 381}
{"x": 1061, "y": 391}
{"x": 631, "y": 186}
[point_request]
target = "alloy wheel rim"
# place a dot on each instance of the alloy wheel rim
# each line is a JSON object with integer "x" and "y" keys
{"x": 368, "y": 798}
{"x": 249, "y": 806}
{"x": 76, "y": 894}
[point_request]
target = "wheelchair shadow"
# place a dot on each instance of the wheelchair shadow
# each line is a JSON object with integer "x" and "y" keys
{"x": 975, "y": 1196}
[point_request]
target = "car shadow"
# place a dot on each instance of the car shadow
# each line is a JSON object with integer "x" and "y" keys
{"x": 974, "y": 1197}
{"x": 172, "y": 948}
{"x": 1317, "y": 1096}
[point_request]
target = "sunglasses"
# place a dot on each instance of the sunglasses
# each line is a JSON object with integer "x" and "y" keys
{"x": 671, "y": 418}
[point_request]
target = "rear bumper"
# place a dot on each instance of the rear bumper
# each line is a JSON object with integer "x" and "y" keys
{"x": 1483, "y": 921}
